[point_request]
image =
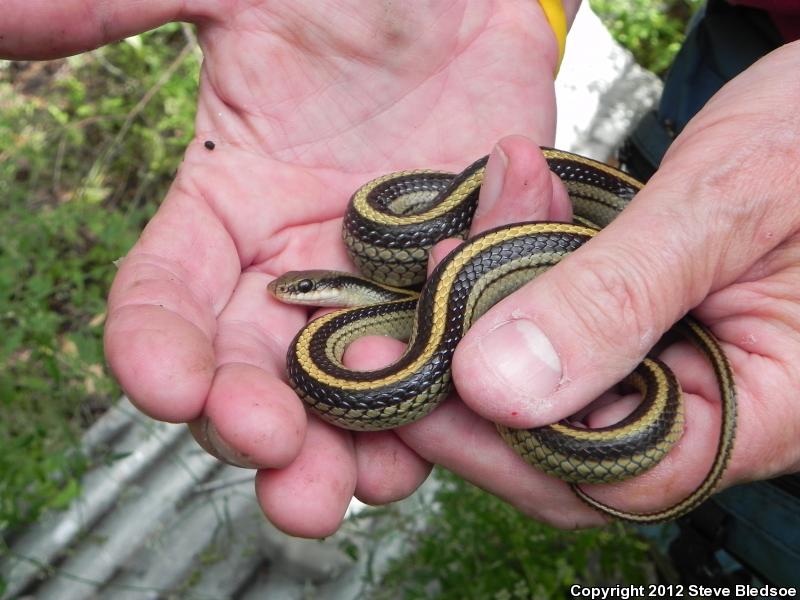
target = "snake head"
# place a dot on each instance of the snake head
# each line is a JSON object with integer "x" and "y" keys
{"x": 334, "y": 289}
{"x": 310, "y": 288}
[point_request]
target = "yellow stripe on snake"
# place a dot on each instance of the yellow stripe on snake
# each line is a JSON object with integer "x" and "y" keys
{"x": 390, "y": 225}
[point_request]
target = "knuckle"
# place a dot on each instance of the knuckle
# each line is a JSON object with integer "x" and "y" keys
{"x": 612, "y": 302}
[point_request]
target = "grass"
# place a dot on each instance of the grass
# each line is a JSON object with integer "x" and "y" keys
{"x": 90, "y": 145}
{"x": 476, "y": 546}
{"x": 652, "y": 30}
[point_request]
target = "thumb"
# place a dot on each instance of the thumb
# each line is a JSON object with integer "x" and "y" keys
{"x": 549, "y": 349}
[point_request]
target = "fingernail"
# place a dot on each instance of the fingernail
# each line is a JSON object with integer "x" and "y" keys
{"x": 223, "y": 451}
{"x": 492, "y": 185}
{"x": 523, "y": 360}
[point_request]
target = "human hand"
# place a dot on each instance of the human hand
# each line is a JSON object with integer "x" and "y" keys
{"x": 305, "y": 102}
{"x": 715, "y": 231}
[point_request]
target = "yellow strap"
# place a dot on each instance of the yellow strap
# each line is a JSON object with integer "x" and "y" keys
{"x": 554, "y": 11}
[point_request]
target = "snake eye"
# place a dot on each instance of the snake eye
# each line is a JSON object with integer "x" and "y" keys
{"x": 305, "y": 285}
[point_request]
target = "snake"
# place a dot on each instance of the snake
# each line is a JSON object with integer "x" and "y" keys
{"x": 389, "y": 227}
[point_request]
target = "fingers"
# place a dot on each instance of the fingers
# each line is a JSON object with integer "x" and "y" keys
{"x": 308, "y": 468}
{"x": 685, "y": 467}
{"x": 664, "y": 486}
{"x": 463, "y": 442}
{"x": 309, "y": 497}
{"x": 705, "y": 219}
{"x": 163, "y": 361}
{"x": 518, "y": 186}
{"x": 470, "y": 446}
{"x": 41, "y": 30}
{"x": 549, "y": 349}
{"x": 254, "y": 418}
{"x": 162, "y": 309}
{"x": 388, "y": 470}
{"x": 546, "y": 351}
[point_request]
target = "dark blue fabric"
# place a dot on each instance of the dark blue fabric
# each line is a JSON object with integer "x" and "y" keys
{"x": 763, "y": 530}
{"x": 722, "y": 41}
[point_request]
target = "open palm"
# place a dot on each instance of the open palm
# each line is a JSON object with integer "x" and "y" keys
{"x": 304, "y": 104}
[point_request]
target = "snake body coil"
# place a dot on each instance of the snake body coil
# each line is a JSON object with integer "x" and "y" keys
{"x": 390, "y": 225}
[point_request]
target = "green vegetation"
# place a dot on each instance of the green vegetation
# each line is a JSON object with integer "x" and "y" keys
{"x": 88, "y": 146}
{"x": 652, "y": 30}
{"x": 476, "y": 546}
